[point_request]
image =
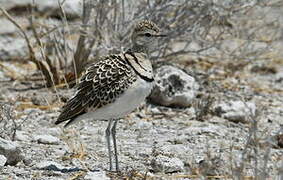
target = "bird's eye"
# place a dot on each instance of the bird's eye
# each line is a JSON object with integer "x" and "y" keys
{"x": 147, "y": 34}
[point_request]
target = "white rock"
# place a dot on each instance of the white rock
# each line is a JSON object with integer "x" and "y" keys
{"x": 11, "y": 151}
{"x": 12, "y": 3}
{"x": 166, "y": 164}
{"x": 49, "y": 165}
{"x": 173, "y": 87}
{"x": 155, "y": 110}
{"x": 236, "y": 111}
{"x": 72, "y": 8}
{"x": 6, "y": 27}
{"x": 3, "y": 160}
{"x": 143, "y": 125}
{"x": 11, "y": 47}
{"x": 47, "y": 139}
{"x": 100, "y": 175}
{"x": 22, "y": 136}
{"x": 279, "y": 77}
{"x": 54, "y": 166}
{"x": 54, "y": 131}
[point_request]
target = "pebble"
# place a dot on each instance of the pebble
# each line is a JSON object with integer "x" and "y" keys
{"x": 54, "y": 131}
{"x": 11, "y": 151}
{"x": 47, "y": 139}
{"x": 72, "y": 9}
{"x": 22, "y": 136}
{"x": 3, "y": 160}
{"x": 279, "y": 138}
{"x": 54, "y": 166}
{"x": 11, "y": 48}
{"x": 48, "y": 164}
{"x": 6, "y": 27}
{"x": 236, "y": 111}
{"x": 166, "y": 164}
{"x": 100, "y": 175}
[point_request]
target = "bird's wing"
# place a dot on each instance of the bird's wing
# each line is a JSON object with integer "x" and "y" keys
{"x": 101, "y": 84}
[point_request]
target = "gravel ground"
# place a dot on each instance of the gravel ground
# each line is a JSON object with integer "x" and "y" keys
{"x": 157, "y": 141}
{"x": 231, "y": 126}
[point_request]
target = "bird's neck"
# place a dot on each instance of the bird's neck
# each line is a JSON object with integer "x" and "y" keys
{"x": 140, "y": 49}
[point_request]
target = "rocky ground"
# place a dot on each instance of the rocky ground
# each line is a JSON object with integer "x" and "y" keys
{"x": 214, "y": 117}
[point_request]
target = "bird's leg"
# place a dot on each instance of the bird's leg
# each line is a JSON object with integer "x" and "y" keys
{"x": 107, "y": 133}
{"x": 113, "y": 132}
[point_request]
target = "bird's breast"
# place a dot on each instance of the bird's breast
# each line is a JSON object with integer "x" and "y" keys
{"x": 124, "y": 104}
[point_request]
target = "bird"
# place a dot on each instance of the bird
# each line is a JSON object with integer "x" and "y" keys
{"x": 115, "y": 85}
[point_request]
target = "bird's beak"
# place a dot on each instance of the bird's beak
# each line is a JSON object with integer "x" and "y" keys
{"x": 160, "y": 35}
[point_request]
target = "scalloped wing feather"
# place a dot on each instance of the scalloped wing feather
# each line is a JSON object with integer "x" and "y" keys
{"x": 102, "y": 83}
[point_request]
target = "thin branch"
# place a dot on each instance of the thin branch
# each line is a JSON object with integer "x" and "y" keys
{"x": 32, "y": 58}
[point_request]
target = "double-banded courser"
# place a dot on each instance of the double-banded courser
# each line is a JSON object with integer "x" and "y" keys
{"x": 115, "y": 85}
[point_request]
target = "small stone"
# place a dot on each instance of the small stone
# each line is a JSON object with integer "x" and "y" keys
{"x": 11, "y": 151}
{"x": 22, "y": 136}
{"x": 27, "y": 161}
{"x": 72, "y": 9}
{"x": 144, "y": 152}
{"x": 173, "y": 87}
{"x": 279, "y": 138}
{"x": 55, "y": 131}
{"x": 211, "y": 167}
{"x": 165, "y": 164}
{"x": 6, "y": 27}
{"x": 54, "y": 166}
{"x": 143, "y": 125}
{"x": 263, "y": 69}
{"x": 279, "y": 77}
{"x": 155, "y": 110}
{"x": 3, "y": 160}
{"x": 12, "y": 48}
{"x": 49, "y": 165}
{"x": 47, "y": 139}
{"x": 100, "y": 175}
{"x": 236, "y": 111}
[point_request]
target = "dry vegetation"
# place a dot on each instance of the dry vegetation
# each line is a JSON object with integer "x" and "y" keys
{"x": 216, "y": 40}
{"x": 105, "y": 29}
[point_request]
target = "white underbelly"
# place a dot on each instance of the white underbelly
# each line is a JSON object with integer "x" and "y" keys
{"x": 125, "y": 104}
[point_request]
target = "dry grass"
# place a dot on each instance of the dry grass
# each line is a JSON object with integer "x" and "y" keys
{"x": 185, "y": 22}
{"x": 60, "y": 64}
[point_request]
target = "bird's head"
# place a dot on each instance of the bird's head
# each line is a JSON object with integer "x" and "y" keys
{"x": 146, "y": 34}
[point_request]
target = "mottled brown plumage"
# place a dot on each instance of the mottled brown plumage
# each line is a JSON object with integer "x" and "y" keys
{"x": 101, "y": 84}
{"x": 115, "y": 85}
{"x": 145, "y": 25}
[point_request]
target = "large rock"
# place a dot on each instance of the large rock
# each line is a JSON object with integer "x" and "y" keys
{"x": 173, "y": 87}
{"x": 236, "y": 111}
{"x": 11, "y": 151}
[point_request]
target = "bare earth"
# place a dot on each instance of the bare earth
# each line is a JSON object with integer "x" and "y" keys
{"x": 238, "y": 134}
